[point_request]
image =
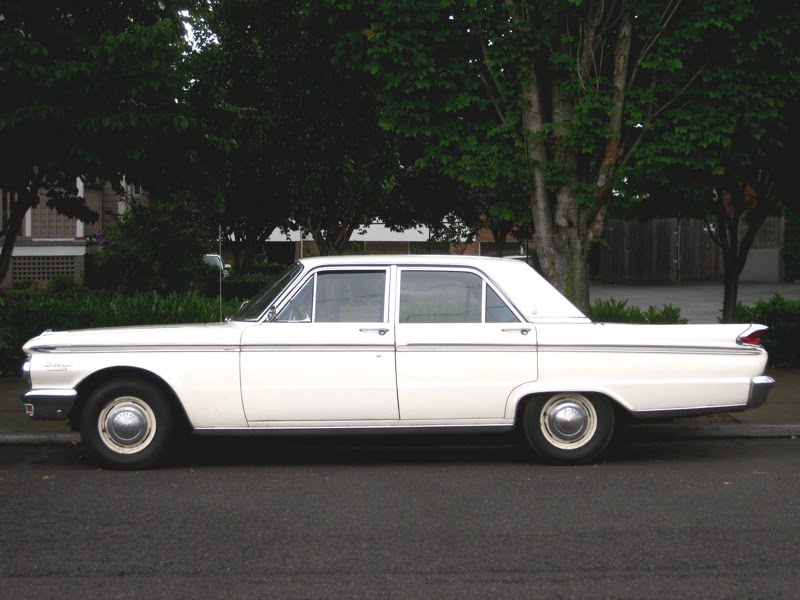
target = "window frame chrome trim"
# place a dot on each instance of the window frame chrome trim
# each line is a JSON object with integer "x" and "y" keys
{"x": 485, "y": 279}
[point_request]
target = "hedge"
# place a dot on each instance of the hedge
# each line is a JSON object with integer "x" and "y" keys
{"x": 782, "y": 316}
{"x": 26, "y": 313}
{"x": 618, "y": 311}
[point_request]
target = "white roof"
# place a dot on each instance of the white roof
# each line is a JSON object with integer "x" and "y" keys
{"x": 527, "y": 290}
{"x": 375, "y": 232}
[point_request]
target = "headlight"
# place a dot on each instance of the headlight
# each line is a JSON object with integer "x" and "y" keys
{"x": 26, "y": 370}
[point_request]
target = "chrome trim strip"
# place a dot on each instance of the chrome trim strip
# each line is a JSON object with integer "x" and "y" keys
{"x": 318, "y": 348}
{"x": 649, "y": 349}
{"x": 668, "y": 413}
{"x": 354, "y": 429}
{"x": 136, "y": 348}
{"x": 466, "y": 348}
{"x": 50, "y": 393}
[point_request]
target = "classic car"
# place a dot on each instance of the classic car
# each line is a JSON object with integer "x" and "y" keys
{"x": 391, "y": 344}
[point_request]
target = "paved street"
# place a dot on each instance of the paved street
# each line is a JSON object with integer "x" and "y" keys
{"x": 437, "y": 517}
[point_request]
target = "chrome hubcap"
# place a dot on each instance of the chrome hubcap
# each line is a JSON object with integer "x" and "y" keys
{"x": 568, "y": 421}
{"x": 126, "y": 424}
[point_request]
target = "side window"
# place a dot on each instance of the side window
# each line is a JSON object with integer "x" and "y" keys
{"x": 497, "y": 311}
{"x": 300, "y": 306}
{"x": 339, "y": 297}
{"x": 440, "y": 297}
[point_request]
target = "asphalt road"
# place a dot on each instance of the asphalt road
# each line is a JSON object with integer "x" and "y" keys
{"x": 426, "y": 518}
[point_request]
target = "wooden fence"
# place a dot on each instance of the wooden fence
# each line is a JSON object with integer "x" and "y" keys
{"x": 667, "y": 250}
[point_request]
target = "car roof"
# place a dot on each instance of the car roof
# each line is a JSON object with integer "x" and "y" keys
{"x": 531, "y": 293}
{"x": 402, "y": 259}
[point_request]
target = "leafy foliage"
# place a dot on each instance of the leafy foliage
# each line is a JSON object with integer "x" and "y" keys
{"x": 156, "y": 245}
{"x": 304, "y": 149}
{"x": 618, "y": 311}
{"x": 93, "y": 92}
{"x": 558, "y": 99}
{"x": 29, "y": 311}
{"x": 782, "y": 316}
{"x": 791, "y": 246}
{"x": 727, "y": 152}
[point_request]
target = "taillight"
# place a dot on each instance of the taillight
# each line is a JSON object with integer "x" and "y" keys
{"x": 751, "y": 337}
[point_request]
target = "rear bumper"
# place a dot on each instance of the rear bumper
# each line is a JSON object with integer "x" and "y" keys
{"x": 759, "y": 389}
{"x": 51, "y": 404}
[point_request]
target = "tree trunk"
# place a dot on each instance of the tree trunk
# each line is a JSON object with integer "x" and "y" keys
{"x": 19, "y": 209}
{"x": 565, "y": 263}
{"x": 500, "y": 233}
{"x": 731, "y": 295}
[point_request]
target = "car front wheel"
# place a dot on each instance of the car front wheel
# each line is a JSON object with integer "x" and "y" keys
{"x": 127, "y": 423}
{"x": 568, "y": 428}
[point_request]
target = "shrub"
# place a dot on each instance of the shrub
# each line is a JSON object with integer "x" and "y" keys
{"x": 791, "y": 246}
{"x": 246, "y": 286}
{"x": 27, "y": 314}
{"x": 155, "y": 245}
{"x": 618, "y": 311}
{"x": 782, "y": 316}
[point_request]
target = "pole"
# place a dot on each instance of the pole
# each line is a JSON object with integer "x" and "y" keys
{"x": 221, "y": 267}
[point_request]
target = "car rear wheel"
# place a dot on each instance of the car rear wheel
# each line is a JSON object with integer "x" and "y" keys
{"x": 127, "y": 423}
{"x": 568, "y": 428}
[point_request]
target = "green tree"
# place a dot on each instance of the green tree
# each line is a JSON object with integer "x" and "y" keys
{"x": 304, "y": 149}
{"x": 728, "y": 153}
{"x": 557, "y": 97}
{"x": 158, "y": 245}
{"x": 89, "y": 91}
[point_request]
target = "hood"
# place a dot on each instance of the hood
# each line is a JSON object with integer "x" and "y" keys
{"x": 200, "y": 334}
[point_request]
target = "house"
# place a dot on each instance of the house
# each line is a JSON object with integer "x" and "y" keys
{"x": 51, "y": 245}
{"x": 377, "y": 238}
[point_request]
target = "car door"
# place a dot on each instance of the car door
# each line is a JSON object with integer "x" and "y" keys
{"x": 461, "y": 347}
{"x": 327, "y": 356}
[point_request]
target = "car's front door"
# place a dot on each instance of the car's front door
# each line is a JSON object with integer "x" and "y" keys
{"x": 327, "y": 356}
{"x": 461, "y": 349}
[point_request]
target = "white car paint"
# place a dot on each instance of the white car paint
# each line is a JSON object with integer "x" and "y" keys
{"x": 384, "y": 373}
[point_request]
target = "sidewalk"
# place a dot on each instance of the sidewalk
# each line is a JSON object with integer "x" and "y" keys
{"x": 779, "y": 417}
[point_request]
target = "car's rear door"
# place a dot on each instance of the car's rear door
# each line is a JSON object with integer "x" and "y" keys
{"x": 461, "y": 347}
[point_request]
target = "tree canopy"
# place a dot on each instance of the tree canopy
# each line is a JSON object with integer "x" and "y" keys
{"x": 553, "y": 98}
{"x": 91, "y": 91}
{"x": 304, "y": 147}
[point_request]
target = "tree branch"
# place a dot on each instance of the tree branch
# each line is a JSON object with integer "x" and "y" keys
{"x": 714, "y": 237}
{"x": 666, "y": 105}
{"x": 666, "y": 17}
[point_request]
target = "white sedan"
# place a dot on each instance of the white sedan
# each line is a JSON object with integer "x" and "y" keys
{"x": 391, "y": 344}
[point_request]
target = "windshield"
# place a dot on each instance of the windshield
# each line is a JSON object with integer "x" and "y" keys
{"x": 258, "y": 304}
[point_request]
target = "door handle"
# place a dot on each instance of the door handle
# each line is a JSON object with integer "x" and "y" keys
{"x": 378, "y": 330}
{"x": 523, "y": 330}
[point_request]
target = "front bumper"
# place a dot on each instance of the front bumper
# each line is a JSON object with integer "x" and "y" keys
{"x": 50, "y": 404}
{"x": 759, "y": 389}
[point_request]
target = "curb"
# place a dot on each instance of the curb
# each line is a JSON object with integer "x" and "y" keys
{"x": 637, "y": 432}
{"x": 712, "y": 431}
{"x": 39, "y": 438}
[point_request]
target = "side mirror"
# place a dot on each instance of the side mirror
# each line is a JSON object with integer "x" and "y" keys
{"x": 271, "y": 313}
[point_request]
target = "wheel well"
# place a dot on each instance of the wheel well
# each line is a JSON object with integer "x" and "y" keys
{"x": 95, "y": 380}
{"x": 620, "y": 412}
